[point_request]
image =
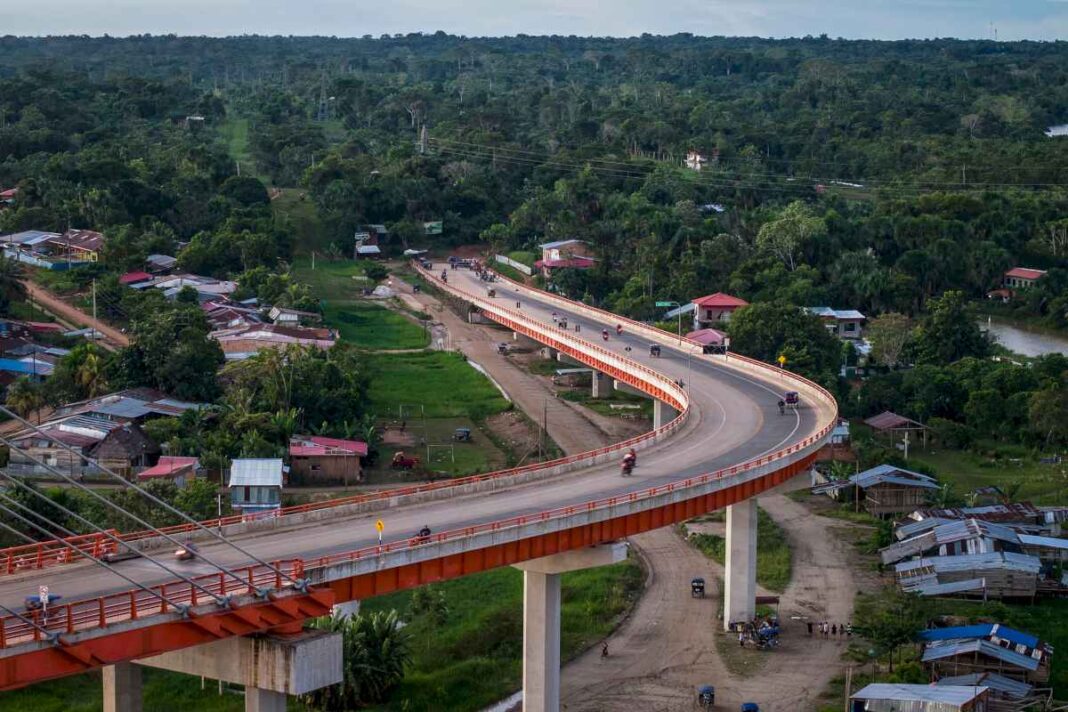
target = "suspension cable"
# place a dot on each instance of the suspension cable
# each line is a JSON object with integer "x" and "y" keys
{"x": 78, "y": 485}
{"x": 181, "y": 607}
{"x": 299, "y": 584}
{"x": 218, "y": 599}
{"x": 51, "y": 636}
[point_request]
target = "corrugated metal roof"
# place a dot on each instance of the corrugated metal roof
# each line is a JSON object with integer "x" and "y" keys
{"x": 1046, "y": 542}
{"x": 265, "y": 472}
{"x": 888, "y": 420}
{"x": 984, "y": 631}
{"x": 911, "y": 529}
{"x": 948, "y": 694}
{"x": 930, "y": 587}
{"x": 559, "y": 243}
{"x": 940, "y": 650}
{"x": 1014, "y": 511}
{"x": 893, "y": 475}
{"x": 974, "y": 562}
{"x": 998, "y": 683}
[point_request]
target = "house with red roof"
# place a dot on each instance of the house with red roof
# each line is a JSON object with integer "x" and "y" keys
{"x": 1022, "y": 277}
{"x": 317, "y": 460}
{"x": 715, "y": 309}
{"x": 179, "y": 470}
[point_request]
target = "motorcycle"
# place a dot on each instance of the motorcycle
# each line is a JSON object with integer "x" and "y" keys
{"x": 628, "y": 467}
{"x": 604, "y": 334}
{"x": 619, "y": 329}
{"x": 187, "y": 553}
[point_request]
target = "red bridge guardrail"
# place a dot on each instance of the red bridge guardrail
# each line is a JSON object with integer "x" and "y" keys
{"x": 127, "y": 605}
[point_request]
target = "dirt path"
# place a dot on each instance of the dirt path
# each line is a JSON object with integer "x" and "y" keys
{"x": 668, "y": 646}
{"x": 572, "y": 430}
{"x": 62, "y": 310}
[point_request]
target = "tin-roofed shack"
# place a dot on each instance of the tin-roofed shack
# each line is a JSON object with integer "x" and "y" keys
{"x": 883, "y": 490}
{"x": 896, "y": 697}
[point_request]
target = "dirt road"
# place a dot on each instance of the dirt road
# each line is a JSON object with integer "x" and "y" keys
{"x": 668, "y": 647}
{"x": 62, "y": 310}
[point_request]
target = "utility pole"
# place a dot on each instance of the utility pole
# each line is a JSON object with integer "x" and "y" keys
{"x": 313, "y": 260}
{"x": 94, "y": 311}
{"x": 424, "y": 139}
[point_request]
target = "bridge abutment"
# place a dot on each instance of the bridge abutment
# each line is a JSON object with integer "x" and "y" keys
{"x": 541, "y": 619}
{"x": 739, "y": 599}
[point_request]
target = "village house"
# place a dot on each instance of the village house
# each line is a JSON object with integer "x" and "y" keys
{"x": 896, "y": 697}
{"x": 160, "y": 264}
{"x": 133, "y": 405}
{"x": 985, "y": 648}
{"x": 256, "y": 484}
{"x": 1005, "y": 693}
{"x": 68, "y": 444}
{"x": 564, "y": 254}
{"x": 1021, "y": 277}
{"x": 76, "y": 245}
{"x": 293, "y": 317}
{"x": 316, "y": 460}
{"x": 179, "y": 470}
{"x": 8, "y": 196}
{"x": 883, "y": 490}
{"x": 842, "y": 323}
{"x": 992, "y": 575}
{"x": 244, "y": 341}
{"x": 715, "y": 309}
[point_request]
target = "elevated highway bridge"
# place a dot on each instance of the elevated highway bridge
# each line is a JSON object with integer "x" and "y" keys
{"x": 719, "y": 441}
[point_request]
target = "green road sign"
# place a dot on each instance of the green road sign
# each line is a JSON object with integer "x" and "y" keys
{"x": 665, "y": 304}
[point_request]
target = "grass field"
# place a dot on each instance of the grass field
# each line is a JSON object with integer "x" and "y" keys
{"x": 474, "y": 659}
{"x": 774, "y": 567}
{"x": 966, "y": 471}
{"x": 234, "y": 131}
{"x": 370, "y": 326}
{"x": 162, "y": 692}
{"x": 298, "y": 215}
{"x": 440, "y": 383}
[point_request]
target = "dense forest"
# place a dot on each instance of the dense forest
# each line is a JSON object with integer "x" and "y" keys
{"x": 897, "y": 178}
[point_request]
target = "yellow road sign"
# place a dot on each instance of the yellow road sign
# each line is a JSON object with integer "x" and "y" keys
{"x": 380, "y": 526}
{"x": 782, "y": 360}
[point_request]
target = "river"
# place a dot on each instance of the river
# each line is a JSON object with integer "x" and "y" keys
{"x": 1025, "y": 340}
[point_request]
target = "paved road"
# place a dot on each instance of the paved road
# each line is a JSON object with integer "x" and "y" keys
{"x": 735, "y": 418}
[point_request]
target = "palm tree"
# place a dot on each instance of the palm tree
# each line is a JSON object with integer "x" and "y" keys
{"x": 376, "y": 653}
{"x": 24, "y": 396}
{"x": 89, "y": 374}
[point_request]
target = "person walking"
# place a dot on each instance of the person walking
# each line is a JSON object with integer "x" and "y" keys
{"x": 809, "y": 624}
{"x": 741, "y": 639}
{"x": 604, "y": 649}
{"x": 834, "y": 629}
{"x": 518, "y": 305}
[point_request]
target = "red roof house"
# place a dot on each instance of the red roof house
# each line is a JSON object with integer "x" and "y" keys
{"x": 715, "y": 308}
{"x": 318, "y": 460}
{"x": 179, "y": 469}
{"x": 1022, "y": 277}
{"x": 707, "y": 336}
{"x": 134, "y": 277}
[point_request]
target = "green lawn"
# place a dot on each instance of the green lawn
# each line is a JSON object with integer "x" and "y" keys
{"x": 440, "y": 382}
{"x": 474, "y": 659}
{"x": 370, "y": 326}
{"x": 163, "y": 692}
{"x": 524, "y": 257}
{"x": 774, "y": 567}
{"x": 342, "y": 280}
{"x": 966, "y": 471}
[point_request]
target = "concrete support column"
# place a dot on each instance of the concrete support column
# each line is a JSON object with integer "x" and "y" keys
{"x": 739, "y": 600}
{"x": 346, "y": 609}
{"x": 548, "y": 353}
{"x": 260, "y": 700}
{"x": 122, "y": 688}
{"x": 541, "y": 642}
{"x": 662, "y": 414}
{"x": 541, "y": 619}
{"x": 600, "y": 386}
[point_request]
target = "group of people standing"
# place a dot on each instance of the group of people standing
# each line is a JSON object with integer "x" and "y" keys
{"x": 830, "y": 629}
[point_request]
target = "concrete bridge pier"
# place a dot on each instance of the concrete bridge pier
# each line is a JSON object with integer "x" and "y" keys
{"x": 601, "y": 386}
{"x": 739, "y": 599}
{"x": 662, "y": 414}
{"x": 541, "y": 619}
{"x": 271, "y": 667}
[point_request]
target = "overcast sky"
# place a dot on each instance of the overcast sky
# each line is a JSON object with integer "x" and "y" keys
{"x": 880, "y": 19}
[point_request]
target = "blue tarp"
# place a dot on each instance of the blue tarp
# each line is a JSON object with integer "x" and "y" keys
{"x": 981, "y": 630}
